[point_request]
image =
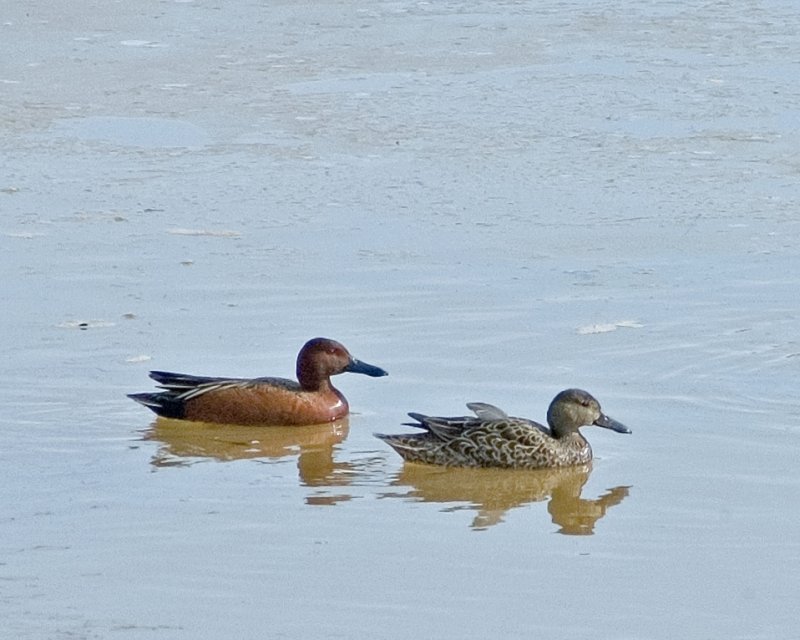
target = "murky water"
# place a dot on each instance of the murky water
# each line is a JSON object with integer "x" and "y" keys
{"x": 493, "y": 201}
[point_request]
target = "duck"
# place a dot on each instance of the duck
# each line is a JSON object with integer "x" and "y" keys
{"x": 268, "y": 401}
{"x": 494, "y": 439}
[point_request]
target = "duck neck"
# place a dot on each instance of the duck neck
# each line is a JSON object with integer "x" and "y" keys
{"x": 579, "y": 449}
{"x": 573, "y": 437}
{"x": 311, "y": 378}
{"x": 561, "y": 433}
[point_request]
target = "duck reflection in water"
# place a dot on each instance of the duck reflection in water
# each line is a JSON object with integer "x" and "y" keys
{"x": 494, "y": 492}
{"x": 183, "y": 443}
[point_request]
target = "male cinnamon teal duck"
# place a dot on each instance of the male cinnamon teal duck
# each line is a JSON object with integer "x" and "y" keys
{"x": 493, "y": 439}
{"x": 262, "y": 401}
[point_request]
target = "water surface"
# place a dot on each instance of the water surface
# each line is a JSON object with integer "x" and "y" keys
{"x": 493, "y": 201}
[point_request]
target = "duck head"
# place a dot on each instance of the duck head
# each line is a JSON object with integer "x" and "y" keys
{"x": 575, "y": 408}
{"x": 321, "y": 358}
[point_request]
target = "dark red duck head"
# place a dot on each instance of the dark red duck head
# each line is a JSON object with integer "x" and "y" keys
{"x": 321, "y": 358}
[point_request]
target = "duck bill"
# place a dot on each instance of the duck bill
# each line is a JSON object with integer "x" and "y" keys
{"x": 609, "y": 423}
{"x": 356, "y": 366}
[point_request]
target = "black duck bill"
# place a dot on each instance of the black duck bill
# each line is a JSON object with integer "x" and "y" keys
{"x": 609, "y": 423}
{"x": 357, "y": 366}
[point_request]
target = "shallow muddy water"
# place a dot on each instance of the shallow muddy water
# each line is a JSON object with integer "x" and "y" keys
{"x": 493, "y": 201}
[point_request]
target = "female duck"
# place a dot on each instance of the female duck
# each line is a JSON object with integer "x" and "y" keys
{"x": 493, "y": 439}
{"x": 262, "y": 401}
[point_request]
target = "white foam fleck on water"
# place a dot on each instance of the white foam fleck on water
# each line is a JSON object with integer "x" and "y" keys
{"x": 23, "y": 235}
{"x": 139, "y": 358}
{"x": 86, "y": 324}
{"x": 140, "y": 43}
{"x": 222, "y": 233}
{"x": 608, "y": 327}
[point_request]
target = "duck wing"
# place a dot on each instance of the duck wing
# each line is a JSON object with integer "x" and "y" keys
{"x": 486, "y": 411}
{"x": 183, "y": 387}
